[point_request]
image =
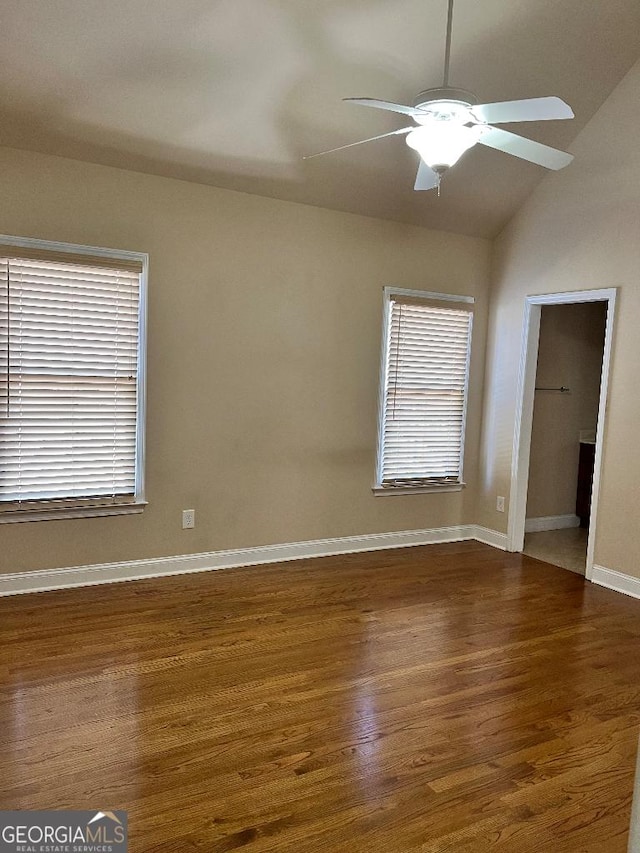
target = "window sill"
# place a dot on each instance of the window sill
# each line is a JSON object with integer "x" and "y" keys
{"x": 379, "y": 491}
{"x": 13, "y": 516}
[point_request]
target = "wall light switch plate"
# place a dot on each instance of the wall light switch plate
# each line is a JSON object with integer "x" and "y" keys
{"x": 500, "y": 503}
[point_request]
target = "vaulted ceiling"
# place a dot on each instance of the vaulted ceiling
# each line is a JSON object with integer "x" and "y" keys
{"x": 234, "y": 92}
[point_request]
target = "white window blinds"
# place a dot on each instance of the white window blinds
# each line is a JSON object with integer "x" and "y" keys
{"x": 69, "y": 338}
{"x": 423, "y": 402}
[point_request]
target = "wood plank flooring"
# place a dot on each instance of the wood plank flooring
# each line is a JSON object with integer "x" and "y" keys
{"x": 445, "y": 698}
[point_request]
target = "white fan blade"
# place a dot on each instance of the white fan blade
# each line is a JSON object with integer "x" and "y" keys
{"x": 385, "y": 105}
{"x": 527, "y": 149}
{"x": 360, "y": 142}
{"x": 531, "y": 109}
{"x": 427, "y": 178}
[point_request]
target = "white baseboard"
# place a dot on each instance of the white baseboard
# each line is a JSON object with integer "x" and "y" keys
{"x": 551, "y": 522}
{"x": 50, "y": 579}
{"x": 616, "y": 581}
{"x": 490, "y": 537}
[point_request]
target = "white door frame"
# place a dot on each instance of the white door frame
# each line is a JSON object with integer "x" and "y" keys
{"x": 524, "y": 411}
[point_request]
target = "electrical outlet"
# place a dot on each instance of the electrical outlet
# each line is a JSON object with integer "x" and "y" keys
{"x": 188, "y": 519}
{"x": 500, "y": 503}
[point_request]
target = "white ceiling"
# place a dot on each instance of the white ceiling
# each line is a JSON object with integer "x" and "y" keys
{"x": 234, "y": 92}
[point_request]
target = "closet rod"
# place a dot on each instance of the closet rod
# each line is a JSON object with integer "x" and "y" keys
{"x": 563, "y": 389}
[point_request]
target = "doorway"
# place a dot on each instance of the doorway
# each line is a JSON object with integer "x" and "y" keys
{"x": 541, "y": 502}
{"x": 565, "y": 417}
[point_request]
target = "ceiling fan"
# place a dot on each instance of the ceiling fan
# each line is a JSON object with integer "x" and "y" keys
{"x": 449, "y": 121}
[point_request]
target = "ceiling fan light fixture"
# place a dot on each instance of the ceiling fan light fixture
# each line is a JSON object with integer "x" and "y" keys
{"x": 441, "y": 144}
{"x": 451, "y": 121}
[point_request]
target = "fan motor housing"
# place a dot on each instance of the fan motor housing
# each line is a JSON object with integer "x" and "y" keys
{"x": 445, "y": 105}
{"x": 460, "y": 96}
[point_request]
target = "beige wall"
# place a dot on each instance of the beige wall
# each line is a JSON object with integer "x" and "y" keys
{"x": 578, "y": 230}
{"x": 569, "y": 354}
{"x": 264, "y": 340}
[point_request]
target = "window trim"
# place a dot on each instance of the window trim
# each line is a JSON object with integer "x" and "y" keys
{"x": 137, "y": 505}
{"x": 387, "y": 295}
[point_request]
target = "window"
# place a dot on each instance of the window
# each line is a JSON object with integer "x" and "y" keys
{"x": 423, "y": 393}
{"x": 71, "y": 380}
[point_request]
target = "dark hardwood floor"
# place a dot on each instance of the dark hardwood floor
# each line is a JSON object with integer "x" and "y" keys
{"x": 446, "y": 698}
